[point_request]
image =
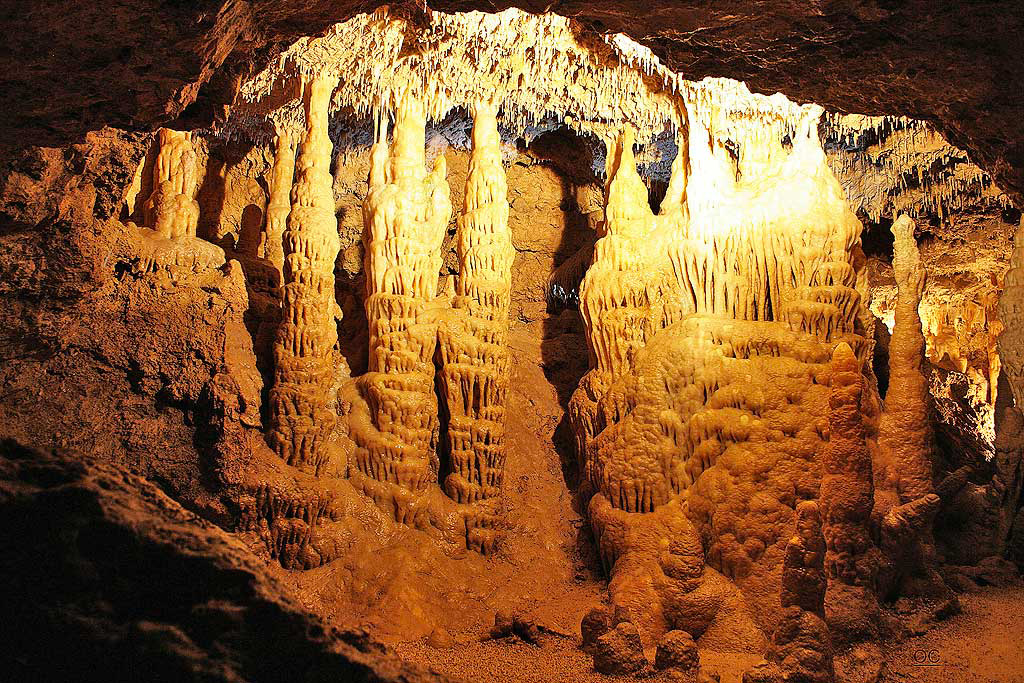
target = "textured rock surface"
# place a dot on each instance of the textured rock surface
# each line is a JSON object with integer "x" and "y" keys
{"x": 619, "y": 651}
{"x": 106, "y": 578}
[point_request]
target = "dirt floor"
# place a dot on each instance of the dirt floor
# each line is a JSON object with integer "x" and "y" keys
{"x": 985, "y": 644}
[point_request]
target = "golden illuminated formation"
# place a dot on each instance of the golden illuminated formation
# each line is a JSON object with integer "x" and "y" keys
{"x": 173, "y": 211}
{"x": 279, "y": 204}
{"x": 394, "y": 421}
{"x": 474, "y": 357}
{"x": 302, "y": 402}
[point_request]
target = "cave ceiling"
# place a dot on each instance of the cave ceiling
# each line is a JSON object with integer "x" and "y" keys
{"x": 72, "y": 67}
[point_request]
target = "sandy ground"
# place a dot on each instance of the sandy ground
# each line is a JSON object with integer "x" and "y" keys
{"x": 985, "y": 644}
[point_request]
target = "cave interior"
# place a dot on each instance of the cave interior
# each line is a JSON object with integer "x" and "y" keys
{"x": 585, "y": 343}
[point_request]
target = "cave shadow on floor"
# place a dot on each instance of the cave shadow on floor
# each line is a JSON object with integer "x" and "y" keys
{"x": 564, "y": 355}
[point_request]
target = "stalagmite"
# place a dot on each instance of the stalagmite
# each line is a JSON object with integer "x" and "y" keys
{"x": 394, "y": 423}
{"x": 904, "y": 491}
{"x": 801, "y": 648}
{"x": 474, "y": 357}
{"x": 279, "y": 205}
{"x": 905, "y": 435}
{"x": 173, "y": 211}
{"x": 302, "y": 402}
{"x": 846, "y": 500}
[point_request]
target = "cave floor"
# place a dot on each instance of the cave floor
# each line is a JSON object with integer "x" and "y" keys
{"x": 982, "y": 645}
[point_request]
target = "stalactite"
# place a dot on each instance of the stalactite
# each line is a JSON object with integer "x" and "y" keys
{"x": 474, "y": 357}
{"x": 173, "y": 211}
{"x": 302, "y": 402}
{"x": 394, "y": 423}
{"x": 279, "y": 205}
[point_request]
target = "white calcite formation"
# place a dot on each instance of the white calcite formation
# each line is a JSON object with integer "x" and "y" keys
{"x": 306, "y": 361}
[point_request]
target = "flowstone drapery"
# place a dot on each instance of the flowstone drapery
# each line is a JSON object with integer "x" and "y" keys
{"x": 722, "y": 410}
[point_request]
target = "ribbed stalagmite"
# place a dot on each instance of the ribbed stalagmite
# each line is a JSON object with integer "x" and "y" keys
{"x": 394, "y": 423}
{"x": 302, "y": 402}
{"x": 905, "y": 432}
{"x": 279, "y": 204}
{"x": 475, "y": 360}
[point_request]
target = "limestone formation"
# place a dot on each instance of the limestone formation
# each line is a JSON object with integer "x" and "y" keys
{"x": 173, "y": 211}
{"x": 394, "y": 421}
{"x": 801, "y": 648}
{"x": 474, "y": 357}
{"x": 1011, "y": 313}
{"x": 905, "y": 502}
{"x": 306, "y": 362}
{"x": 279, "y": 204}
{"x": 905, "y": 435}
{"x": 620, "y": 651}
{"x": 846, "y": 500}
{"x": 735, "y": 483}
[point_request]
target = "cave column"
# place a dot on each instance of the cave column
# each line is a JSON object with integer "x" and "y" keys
{"x": 395, "y": 423}
{"x": 475, "y": 358}
{"x": 302, "y": 402}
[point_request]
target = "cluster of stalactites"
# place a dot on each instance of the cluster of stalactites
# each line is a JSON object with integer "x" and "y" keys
{"x": 302, "y": 402}
{"x": 279, "y": 204}
{"x": 406, "y": 212}
{"x": 475, "y": 359}
{"x": 769, "y": 235}
{"x": 892, "y": 165}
